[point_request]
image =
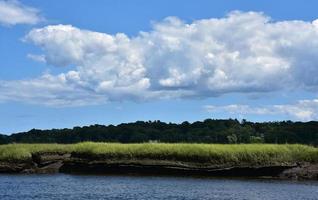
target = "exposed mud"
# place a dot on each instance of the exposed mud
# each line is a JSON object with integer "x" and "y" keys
{"x": 67, "y": 163}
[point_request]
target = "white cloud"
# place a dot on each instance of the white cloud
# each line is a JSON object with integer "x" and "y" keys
{"x": 12, "y": 12}
{"x": 37, "y": 58}
{"x": 48, "y": 90}
{"x": 304, "y": 110}
{"x": 242, "y": 52}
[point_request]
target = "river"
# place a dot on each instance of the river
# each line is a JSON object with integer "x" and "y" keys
{"x": 81, "y": 187}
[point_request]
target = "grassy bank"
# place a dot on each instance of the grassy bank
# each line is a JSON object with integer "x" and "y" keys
{"x": 214, "y": 154}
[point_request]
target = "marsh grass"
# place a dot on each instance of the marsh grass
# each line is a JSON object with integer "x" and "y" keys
{"x": 217, "y": 154}
{"x": 22, "y": 152}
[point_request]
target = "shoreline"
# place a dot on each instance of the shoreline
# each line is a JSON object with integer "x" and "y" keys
{"x": 52, "y": 163}
{"x": 294, "y": 162}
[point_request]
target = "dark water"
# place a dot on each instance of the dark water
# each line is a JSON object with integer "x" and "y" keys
{"x": 27, "y": 187}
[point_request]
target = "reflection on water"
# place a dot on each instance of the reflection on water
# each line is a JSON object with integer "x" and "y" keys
{"x": 27, "y": 187}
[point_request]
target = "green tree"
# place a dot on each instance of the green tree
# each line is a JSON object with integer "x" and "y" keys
{"x": 232, "y": 139}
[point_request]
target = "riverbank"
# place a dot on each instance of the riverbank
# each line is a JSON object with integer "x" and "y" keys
{"x": 244, "y": 160}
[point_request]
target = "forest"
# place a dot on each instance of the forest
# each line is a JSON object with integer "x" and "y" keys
{"x": 222, "y": 131}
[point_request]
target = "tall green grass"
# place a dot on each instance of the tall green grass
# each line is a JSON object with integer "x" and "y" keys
{"x": 22, "y": 152}
{"x": 207, "y": 154}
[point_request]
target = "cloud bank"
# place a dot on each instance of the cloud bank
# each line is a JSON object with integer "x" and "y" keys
{"x": 304, "y": 110}
{"x": 12, "y": 12}
{"x": 244, "y": 52}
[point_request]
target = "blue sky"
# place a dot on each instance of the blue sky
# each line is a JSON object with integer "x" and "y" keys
{"x": 75, "y": 63}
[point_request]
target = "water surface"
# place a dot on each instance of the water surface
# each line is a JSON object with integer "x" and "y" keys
{"x": 76, "y": 187}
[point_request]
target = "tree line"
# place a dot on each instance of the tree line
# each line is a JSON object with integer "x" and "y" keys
{"x": 207, "y": 131}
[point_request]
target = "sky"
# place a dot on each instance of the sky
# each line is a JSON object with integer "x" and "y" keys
{"x": 79, "y": 62}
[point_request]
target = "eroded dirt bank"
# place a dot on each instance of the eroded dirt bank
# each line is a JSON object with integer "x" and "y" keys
{"x": 81, "y": 164}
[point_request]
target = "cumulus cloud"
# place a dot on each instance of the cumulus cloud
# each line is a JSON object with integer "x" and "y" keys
{"x": 13, "y": 12}
{"x": 244, "y": 52}
{"x": 304, "y": 110}
{"x": 48, "y": 90}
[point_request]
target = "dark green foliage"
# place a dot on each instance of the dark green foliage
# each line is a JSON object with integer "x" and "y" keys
{"x": 256, "y": 139}
{"x": 207, "y": 131}
{"x": 3, "y": 139}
